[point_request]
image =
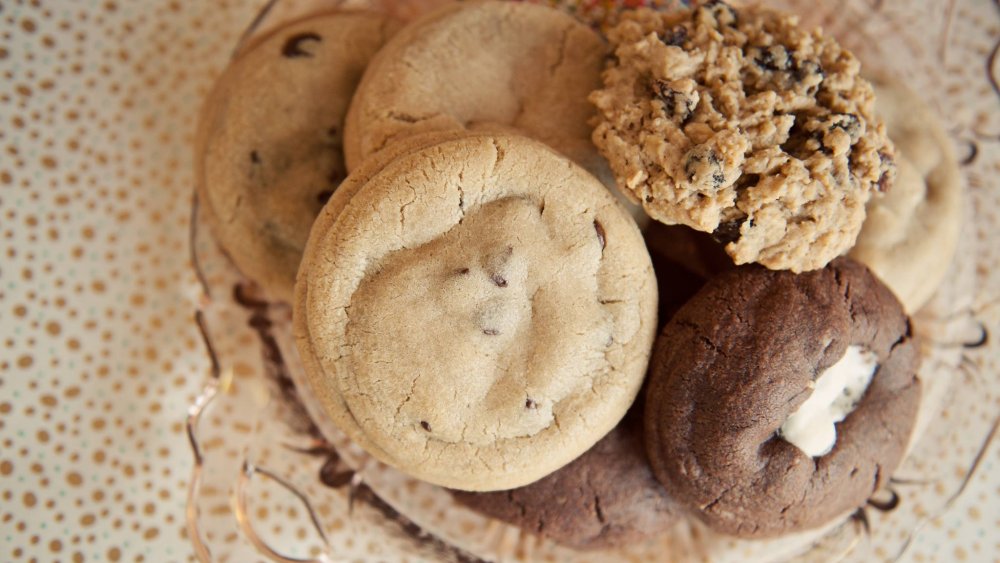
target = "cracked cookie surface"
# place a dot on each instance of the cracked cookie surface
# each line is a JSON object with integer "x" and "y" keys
{"x": 911, "y": 232}
{"x": 605, "y": 498}
{"x": 269, "y": 145}
{"x": 739, "y": 358}
{"x": 486, "y": 65}
{"x": 738, "y": 122}
{"x": 478, "y": 314}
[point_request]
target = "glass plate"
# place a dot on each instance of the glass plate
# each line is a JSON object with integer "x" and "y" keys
{"x": 271, "y": 483}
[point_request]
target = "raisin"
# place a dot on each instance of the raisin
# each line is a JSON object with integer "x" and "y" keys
{"x": 293, "y": 47}
{"x": 888, "y": 166}
{"x": 804, "y": 70}
{"x": 803, "y": 139}
{"x": 425, "y": 425}
{"x": 530, "y": 404}
{"x": 848, "y": 122}
{"x": 462, "y": 271}
{"x": 491, "y": 331}
{"x": 692, "y": 168}
{"x": 746, "y": 181}
{"x": 498, "y": 280}
{"x": 728, "y": 231}
{"x": 254, "y": 157}
{"x": 773, "y": 58}
{"x": 674, "y": 102}
{"x": 676, "y": 36}
{"x": 723, "y": 13}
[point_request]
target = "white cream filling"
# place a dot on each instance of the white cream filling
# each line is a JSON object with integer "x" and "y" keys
{"x": 836, "y": 392}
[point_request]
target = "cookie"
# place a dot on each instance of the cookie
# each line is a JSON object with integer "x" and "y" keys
{"x": 478, "y": 314}
{"x": 732, "y": 427}
{"x": 696, "y": 251}
{"x": 605, "y": 498}
{"x": 911, "y": 232}
{"x": 679, "y": 266}
{"x": 269, "y": 142}
{"x": 503, "y": 66}
{"x": 739, "y": 123}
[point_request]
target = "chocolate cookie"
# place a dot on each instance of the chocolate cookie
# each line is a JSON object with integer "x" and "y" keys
{"x": 737, "y": 363}
{"x": 605, "y": 498}
{"x": 740, "y": 123}
{"x": 677, "y": 262}
{"x": 269, "y": 141}
{"x": 478, "y": 314}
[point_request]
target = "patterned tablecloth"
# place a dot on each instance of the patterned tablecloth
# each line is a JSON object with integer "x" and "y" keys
{"x": 100, "y": 357}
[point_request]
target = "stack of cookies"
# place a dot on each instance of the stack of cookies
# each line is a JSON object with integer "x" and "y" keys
{"x": 592, "y": 284}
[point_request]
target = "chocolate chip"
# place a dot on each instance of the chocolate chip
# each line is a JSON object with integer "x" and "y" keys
{"x": 254, "y": 157}
{"x": 425, "y": 425}
{"x": 601, "y": 236}
{"x": 530, "y": 404}
{"x": 293, "y": 47}
{"x": 676, "y": 36}
{"x": 491, "y": 331}
{"x": 498, "y": 280}
{"x": 324, "y": 196}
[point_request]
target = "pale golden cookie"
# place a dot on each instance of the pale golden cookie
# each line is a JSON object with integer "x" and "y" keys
{"x": 269, "y": 141}
{"x": 737, "y": 122}
{"x": 912, "y": 231}
{"x": 478, "y": 314}
{"x": 518, "y": 67}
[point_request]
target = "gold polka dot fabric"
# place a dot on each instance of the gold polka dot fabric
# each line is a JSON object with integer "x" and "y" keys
{"x": 101, "y": 359}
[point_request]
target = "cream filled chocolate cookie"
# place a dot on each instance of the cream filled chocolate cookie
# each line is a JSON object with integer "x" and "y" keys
{"x": 911, "y": 232}
{"x": 739, "y": 123}
{"x": 779, "y": 402}
{"x": 478, "y": 314}
{"x": 269, "y": 143}
{"x": 605, "y": 498}
{"x": 510, "y": 66}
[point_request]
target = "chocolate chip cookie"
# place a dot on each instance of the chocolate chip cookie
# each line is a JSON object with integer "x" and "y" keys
{"x": 501, "y": 66}
{"x": 478, "y": 314}
{"x": 742, "y": 358}
{"x": 740, "y": 123}
{"x": 269, "y": 141}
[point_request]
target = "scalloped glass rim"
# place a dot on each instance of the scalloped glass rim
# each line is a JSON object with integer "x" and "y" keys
{"x": 248, "y": 465}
